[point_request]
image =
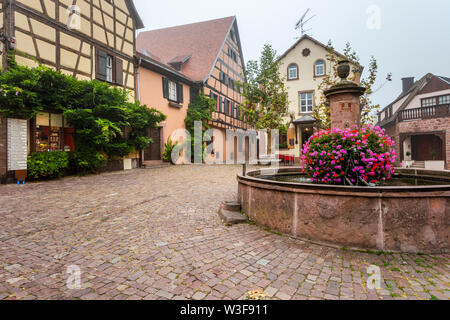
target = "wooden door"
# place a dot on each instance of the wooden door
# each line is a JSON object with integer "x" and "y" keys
{"x": 426, "y": 147}
{"x": 153, "y": 151}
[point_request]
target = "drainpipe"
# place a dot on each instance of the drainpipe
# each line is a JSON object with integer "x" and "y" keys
{"x": 138, "y": 80}
{"x": 138, "y": 83}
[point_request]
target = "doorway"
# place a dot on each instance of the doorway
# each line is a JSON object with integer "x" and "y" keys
{"x": 153, "y": 150}
{"x": 427, "y": 147}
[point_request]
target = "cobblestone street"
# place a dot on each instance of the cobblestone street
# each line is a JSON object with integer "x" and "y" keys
{"x": 155, "y": 234}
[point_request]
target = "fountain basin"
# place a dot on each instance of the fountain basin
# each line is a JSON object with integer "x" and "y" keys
{"x": 402, "y": 218}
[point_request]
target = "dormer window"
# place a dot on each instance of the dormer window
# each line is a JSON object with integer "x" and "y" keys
{"x": 319, "y": 68}
{"x": 293, "y": 72}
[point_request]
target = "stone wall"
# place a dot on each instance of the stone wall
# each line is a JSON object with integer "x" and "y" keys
{"x": 422, "y": 126}
{"x": 413, "y": 220}
{"x": 3, "y": 151}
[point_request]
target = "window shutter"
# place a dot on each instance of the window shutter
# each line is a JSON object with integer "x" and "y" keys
{"x": 119, "y": 71}
{"x": 232, "y": 109}
{"x": 179, "y": 93}
{"x": 226, "y": 106}
{"x": 165, "y": 87}
{"x": 220, "y": 104}
{"x": 101, "y": 65}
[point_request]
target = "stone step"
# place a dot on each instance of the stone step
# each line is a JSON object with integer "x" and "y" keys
{"x": 232, "y": 217}
{"x": 155, "y": 166}
{"x": 231, "y": 206}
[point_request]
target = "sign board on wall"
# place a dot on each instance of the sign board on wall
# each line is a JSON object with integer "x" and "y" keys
{"x": 17, "y": 144}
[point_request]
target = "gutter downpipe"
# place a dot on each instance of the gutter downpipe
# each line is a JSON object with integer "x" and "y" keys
{"x": 139, "y": 80}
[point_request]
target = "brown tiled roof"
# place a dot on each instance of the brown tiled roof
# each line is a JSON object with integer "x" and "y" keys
{"x": 203, "y": 40}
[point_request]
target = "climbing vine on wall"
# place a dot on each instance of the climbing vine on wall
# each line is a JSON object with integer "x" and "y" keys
{"x": 106, "y": 123}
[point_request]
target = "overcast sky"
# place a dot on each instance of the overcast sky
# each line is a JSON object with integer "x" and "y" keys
{"x": 411, "y": 38}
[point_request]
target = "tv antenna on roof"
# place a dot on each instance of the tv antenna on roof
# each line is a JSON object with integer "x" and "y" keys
{"x": 303, "y": 21}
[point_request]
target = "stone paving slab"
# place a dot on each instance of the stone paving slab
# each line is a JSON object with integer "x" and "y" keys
{"x": 155, "y": 234}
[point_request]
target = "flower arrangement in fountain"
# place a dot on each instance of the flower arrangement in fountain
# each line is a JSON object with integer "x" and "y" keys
{"x": 355, "y": 156}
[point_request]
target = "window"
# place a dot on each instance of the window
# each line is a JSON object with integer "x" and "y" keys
{"x": 232, "y": 54}
{"x": 306, "y": 102}
{"x": 109, "y": 68}
{"x": 293, "y": 72}
{"x": 51, "y": 133}
{"x": 319, "y": 68}
{"x": 232, "y": 35}
{"x": 172, "y": 90}
{"x": 444, "y": 100}
{"x": 429, "y": 102}
{"x": 226, "y": 104}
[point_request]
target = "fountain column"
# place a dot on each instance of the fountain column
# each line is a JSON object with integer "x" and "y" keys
{"x": 344, "y": 99}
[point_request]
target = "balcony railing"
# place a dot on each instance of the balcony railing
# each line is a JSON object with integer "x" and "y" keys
{"x": 425, "y": 113}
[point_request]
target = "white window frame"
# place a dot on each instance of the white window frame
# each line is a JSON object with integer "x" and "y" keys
{"x": 444, "y": 100}
{"x": 109, "y": 68}
{"x": 173, "y": 94}
{"x": 319, "y": 64}
{"x": 425, "y": 104}
{"x": 290, "y": 69}
{"x": 306, "y": 102}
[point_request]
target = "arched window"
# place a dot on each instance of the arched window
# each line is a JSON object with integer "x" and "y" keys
{"x": 319, "y": 68}
{"x": 293, "y": 72}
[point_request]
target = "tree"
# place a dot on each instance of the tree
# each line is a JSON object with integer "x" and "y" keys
{"x": 265, "y": 102}
{"x": 106, "y": 124}
{"x": 368, "y": 109}
{"x": 199, "y": 110}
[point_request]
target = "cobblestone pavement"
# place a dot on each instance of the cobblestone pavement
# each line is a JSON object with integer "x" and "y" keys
{"x": 155, "y": 234}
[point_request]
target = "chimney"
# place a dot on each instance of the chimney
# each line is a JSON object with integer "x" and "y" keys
{"x": 407, "y": 83}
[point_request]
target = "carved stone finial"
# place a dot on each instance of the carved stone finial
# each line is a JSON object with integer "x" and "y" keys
{"x": 343, "y": 69}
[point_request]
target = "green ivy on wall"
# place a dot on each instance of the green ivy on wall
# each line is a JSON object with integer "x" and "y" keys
{"x": 106, "y": 123}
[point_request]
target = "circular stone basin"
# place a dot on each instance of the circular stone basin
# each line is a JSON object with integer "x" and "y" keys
{"x": 409, "y": 214}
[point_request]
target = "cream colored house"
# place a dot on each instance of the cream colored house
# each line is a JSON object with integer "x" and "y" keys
{"x": 89, "y": 39}
{"x": 303, "y": 67}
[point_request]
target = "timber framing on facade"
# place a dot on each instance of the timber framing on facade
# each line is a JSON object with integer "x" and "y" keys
{"x": 211, "y": 55}
{"x": 87, "y": 39}
{"x": 42, "y": 35}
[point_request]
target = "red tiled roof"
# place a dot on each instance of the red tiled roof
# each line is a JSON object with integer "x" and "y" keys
{"x": 202, "y": 40}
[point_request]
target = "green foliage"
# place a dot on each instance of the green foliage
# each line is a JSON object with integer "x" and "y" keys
{"x": 106, "y": 123}
{"x": 86, "y": 161}
{"x": 265, "y": 96}
{"x": 47, "y": 164}
{"x": 200, "y": 109}
{"x": 167, "y": 156}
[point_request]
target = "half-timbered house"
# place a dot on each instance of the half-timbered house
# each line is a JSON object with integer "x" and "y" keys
{"x": 89, "y": 39}
{"x": 210, "y": 54}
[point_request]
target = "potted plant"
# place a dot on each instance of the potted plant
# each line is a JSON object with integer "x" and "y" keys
{"x": 433, "y": 155}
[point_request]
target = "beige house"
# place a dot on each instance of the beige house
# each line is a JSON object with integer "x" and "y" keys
{"x": 89, "y": 39}
{"x": 303, "y": 67}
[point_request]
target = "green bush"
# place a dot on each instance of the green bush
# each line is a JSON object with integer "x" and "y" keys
{"x": 86, "y": 161}
{"x": 167, "y": 156}
{"x": 47, "y": 164}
